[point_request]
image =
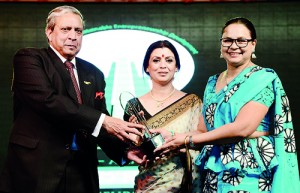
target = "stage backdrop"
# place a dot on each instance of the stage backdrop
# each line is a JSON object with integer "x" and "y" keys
{"x": 194, "y": 27}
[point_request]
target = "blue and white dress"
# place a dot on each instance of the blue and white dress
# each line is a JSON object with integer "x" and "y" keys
{"x": 252, "y": 165}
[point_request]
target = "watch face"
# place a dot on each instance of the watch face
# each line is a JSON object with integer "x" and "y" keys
{"x": 191, "y": 142}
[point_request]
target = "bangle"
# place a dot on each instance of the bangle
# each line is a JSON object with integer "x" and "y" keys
{"x": 191, "y": 144}
{"x": 172, "y": 133}
{"x": 185, "y": 141}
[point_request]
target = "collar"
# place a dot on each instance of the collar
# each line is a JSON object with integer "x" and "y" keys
{"x": 62, "y": 58}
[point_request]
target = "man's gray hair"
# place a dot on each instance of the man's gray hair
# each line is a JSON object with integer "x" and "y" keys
{"x": 58, "y": 11}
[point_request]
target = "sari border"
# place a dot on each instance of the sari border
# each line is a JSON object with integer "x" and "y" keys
{"x": 176, "y": 109}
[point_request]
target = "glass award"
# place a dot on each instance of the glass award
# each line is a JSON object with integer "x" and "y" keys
{"x": 150, "y": 140}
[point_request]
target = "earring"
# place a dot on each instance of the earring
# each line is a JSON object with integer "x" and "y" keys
{"x": 253, "y": 55}
{"x": 221, "y": 55}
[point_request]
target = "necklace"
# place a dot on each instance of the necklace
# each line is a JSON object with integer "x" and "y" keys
{"x": 226, "y": 81}
{"x": 159, "y": 103}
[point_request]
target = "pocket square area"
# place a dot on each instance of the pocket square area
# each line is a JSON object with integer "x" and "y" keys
{"x": 99, "y": 95}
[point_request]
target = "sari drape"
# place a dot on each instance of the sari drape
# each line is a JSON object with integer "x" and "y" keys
{"x": 166, "y": 174}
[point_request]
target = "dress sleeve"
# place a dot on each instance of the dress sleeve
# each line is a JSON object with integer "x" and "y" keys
{"x": 265, "y": 96}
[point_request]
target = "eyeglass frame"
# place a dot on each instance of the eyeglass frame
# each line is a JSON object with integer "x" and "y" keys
{"x": 234, "y": 40}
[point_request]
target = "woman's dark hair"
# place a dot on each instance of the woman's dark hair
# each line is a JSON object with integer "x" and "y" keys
{"x": 240, "y": 20}
{"x": 160, "y": 44}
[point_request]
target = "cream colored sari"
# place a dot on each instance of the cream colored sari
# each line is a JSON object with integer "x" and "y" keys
{"x": 166, "y": 174}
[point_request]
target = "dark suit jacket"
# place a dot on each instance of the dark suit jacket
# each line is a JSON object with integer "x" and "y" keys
{"x": 46, "y": 116}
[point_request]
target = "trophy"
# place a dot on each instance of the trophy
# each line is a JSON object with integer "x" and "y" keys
{"x": 150, "y": 140}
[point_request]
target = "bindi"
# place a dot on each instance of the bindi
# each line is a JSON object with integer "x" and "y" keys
{"x": 162, "y": 56}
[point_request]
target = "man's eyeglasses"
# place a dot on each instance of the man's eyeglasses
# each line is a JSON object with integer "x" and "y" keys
{"x": 240, "y": 42}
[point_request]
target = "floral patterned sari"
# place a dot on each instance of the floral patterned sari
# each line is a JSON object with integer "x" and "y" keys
{"x": 263, "y": 164}
{"x": 166, "y": 174}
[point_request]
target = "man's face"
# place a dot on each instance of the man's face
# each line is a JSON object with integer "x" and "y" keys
{"x": 66, "y": 37}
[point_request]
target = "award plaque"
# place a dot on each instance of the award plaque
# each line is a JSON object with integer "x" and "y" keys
{"x": 150, "y": 140}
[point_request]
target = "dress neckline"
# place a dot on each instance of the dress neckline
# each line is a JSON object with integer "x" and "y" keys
{"x": 147, "y": 114}
{"x": 228, "y": 86}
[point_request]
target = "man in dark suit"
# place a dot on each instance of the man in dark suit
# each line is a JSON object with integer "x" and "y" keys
{"x": 60, "y": 116}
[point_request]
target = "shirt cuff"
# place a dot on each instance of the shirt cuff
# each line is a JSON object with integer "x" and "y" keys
{"x": 99, "y": 125}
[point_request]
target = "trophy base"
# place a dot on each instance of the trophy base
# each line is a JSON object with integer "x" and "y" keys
{"x": 152, "y": 143}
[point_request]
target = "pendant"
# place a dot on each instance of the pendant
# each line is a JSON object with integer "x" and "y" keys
{"x": 159, "y": 104}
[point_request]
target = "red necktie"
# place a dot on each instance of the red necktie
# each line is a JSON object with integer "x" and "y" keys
{"x": 70, "y": 66}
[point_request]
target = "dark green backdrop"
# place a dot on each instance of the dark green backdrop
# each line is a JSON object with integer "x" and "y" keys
{"x": 277, "y": 24}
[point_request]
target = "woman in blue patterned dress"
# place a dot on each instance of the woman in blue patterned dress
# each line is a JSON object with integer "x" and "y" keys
{"x": 250, "y": 141}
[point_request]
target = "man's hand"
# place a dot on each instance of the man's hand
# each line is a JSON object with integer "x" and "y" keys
{"x": 122, "y": 129}
{"x": 136, "y": 155}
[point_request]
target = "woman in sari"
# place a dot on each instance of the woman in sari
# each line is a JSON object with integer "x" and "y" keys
{"x": 250, "y": 143}
{"x": 177, "y": 112}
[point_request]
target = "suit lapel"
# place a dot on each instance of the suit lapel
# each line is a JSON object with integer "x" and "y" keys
{"x": 60, "y": 67}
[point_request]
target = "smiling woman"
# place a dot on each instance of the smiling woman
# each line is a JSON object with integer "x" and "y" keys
{"x": 123, "y": 66}
{"x": 173, "y": 110}
{"x": 243, "y": 153}
{"x": 123, "y": 72}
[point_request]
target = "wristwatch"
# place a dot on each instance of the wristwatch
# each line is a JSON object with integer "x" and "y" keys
{"x": 191, "y": 144}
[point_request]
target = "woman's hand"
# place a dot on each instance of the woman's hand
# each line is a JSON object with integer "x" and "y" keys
{"x": 172, "y": 144}
{"x": 134, "y": 119}
{"x": 164, "y": 133}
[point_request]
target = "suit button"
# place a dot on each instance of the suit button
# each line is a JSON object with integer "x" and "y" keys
{"x": 67, "y": 146}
